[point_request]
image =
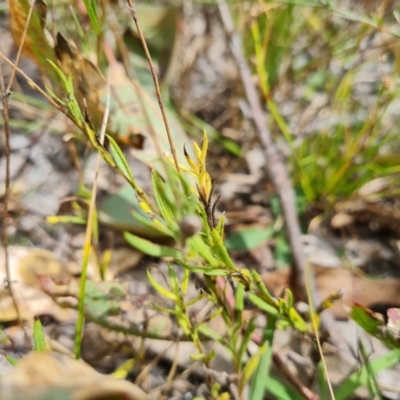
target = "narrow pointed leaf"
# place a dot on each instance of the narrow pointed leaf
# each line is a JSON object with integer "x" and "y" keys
{"x": 91, "y": 10}
{"x": 150, "y": 248}
{"x": 159, "y": 189}
{"x": 39, "y": 339}
{"x": 262, "y": 305}
{"x": 120, "y": 159}
{"x": 221, "y": 251}
{"x": 160, "y": 289}
{"x": 204, "y": 147}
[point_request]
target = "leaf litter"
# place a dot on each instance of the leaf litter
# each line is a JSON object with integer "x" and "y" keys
{"x": 369, "y": 217}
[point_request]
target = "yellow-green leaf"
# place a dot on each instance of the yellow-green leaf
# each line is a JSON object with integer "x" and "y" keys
{"x": 150, "y": 248}
{"x": 252, "y": 364}
{"x": 160, "y": 289}
{"x": 39, "y": 339}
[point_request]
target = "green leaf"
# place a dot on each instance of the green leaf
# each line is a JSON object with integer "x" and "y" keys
{"x": 322, "y": 382}
{"x": 220, "y": 249}
{"x": 206, "y": 270}
{"x": 90, "y": 6}
{"x": 39, "y": 339}
{"x": 257, "y": 387}
{"x": 360, "y": 377}
{"x": 120, "y": 160}
{"x": 283, "y": 255}
{"x": 198, "y": 246}
{"x": 122, "y": 211}
{"x": 173, "y": 279}
{"x": 207, "y": 331}
{"x": 13, "y": 361}
{"x": 160, "y": 289}
{"x": 374, "y": 326}
{"x": 198, "y": 357}
{"x": 164, "y": 309}
{"x": 253, "y": 362}
{"x": 66, "y": 219}
{"x": 239, "y": 298}
{"x": 297, "y": 321}
{"x": 185, "y": 280}
{"x": 72, "y": 104}
{"x": 372, "y": 384}
{"x": 102, "y": 299}
{"x": 366, "y": 319}
{"x": 280, "y": 390}
{"x": 289, "y": 298}
{"x": 161, "y": 195}
{"x": 248, "y": 239}
{"x": 263, "y": 290}
{"x": 262, "y": 305}
{"x": 251, "y": 327}
{"x": 150, "y": 248}
{"x": 154, "y": 224}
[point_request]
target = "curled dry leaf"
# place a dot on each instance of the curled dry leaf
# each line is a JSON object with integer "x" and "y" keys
{"x": 42, "y": 376}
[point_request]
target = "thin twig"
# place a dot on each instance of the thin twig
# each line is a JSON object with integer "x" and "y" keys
{"x": 5, "y": 92}
{"x": 9, "y": 282}
{"x": 276, "y": 168}
{"x": 317, "y": 339}
{"x": 31, "y": 83}
{"x": 132, "y": 9}
{"x": 14, "y": 70}
{"x": 296, "y": 382}
{"x": 138, "y": 90}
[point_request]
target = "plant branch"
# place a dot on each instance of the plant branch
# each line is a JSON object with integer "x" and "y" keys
{"x": 5, "y": 93}
{"x": 14, "y": 70}
{"x": 31, "y": 83}
{"x": 9, "y": 283}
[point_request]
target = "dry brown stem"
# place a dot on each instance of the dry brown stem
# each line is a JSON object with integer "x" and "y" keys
{"x": 132, "y": 10}
{"x": 4, "y": 97}
{"x": 275, "y": 166}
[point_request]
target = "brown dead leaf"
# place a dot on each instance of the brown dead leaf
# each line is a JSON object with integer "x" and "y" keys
{"x": 26, "y": 265}
{"x": 36, "y": 45}
{"x": 55, "y": 376}
{"x": 123, "y": 259}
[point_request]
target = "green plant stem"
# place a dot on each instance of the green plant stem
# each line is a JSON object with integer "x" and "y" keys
{"x": 372, "y": 383}
{"x": 257, "y": 388}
